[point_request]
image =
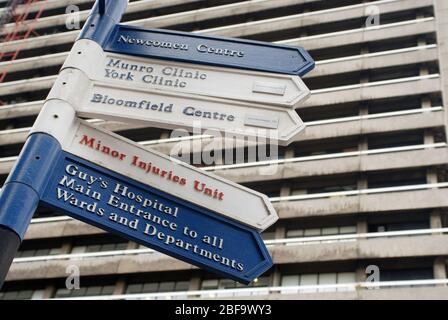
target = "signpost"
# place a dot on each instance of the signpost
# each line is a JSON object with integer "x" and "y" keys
{"x": 149, "y": 74}
{"x": 169, "y": 80}
{"x": 171, "y": 110}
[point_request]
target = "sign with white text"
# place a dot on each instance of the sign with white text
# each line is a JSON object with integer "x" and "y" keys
{"x": 170, "y": 110}
{"x": 217, "y": 51}
{"x": 135, "y": 72}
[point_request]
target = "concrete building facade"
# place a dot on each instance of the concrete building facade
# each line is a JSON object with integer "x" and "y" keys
{"x": 362, "y": 194}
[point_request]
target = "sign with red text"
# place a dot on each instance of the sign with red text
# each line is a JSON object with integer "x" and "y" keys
{"x": 171, "y": 176}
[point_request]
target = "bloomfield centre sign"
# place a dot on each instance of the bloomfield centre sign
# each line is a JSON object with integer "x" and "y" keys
{"x": 171, "y": 110}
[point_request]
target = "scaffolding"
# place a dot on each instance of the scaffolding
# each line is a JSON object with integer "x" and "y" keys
{"x": 19, "y": 14}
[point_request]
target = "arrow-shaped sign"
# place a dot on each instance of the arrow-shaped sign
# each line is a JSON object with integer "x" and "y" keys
{"x": 91, "y": 180}
{"x": 217, "y": 51}
{"x": 174, "y": 110}
{"x": 168, "y": 175}
{"x": 134, "y": 72}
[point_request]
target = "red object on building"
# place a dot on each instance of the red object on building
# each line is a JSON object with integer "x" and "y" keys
{"x": 23, "y": 18}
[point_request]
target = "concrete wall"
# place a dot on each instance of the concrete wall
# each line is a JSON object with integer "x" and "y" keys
{"x": 371, "y": 203}
{"x": 397, "y": 247}
{"x": 441, "y": 13}
{"x": 426, "y": 293}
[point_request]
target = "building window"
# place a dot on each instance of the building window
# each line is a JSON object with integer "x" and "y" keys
{"x": 396, "y": 179}
{"x": 407, "y": 274}
{"x": 217, "y": 284}
{"x": 270, "y": 189}
{"x": 22, "y": 295}
{"x": 89, "y": 291}
{"x": 268, "y": 235}
{"x": 399, "y": 226}
{"x": 393, "y": 140}
{"x": 154, "y": 287}
{"x": 319, "y": 279}
{"x": 100, "y": 247}
{"x": 330, "y": 189}
{"x": 320, "y": 152}
{"x": 395, "y": 104}
{"x": 38, "y": 252}
{"x": 329, "y": 184}
{"x": 317, "y": 232}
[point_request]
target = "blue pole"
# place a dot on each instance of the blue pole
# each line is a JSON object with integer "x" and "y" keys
{"x": 21, "y": 194}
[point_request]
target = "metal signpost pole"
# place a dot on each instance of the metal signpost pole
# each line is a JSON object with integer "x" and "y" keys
{"x": 9, "y": 242}
{"x": 22, "y": 191}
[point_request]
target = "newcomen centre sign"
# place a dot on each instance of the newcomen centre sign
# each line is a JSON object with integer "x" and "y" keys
{"x": 189, "y": 47}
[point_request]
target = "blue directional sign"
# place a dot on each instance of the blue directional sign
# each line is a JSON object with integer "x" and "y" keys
{"x": 191, "y": 47}
{"x": 168, "y": 224}
{"x": 225, "y": 52}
